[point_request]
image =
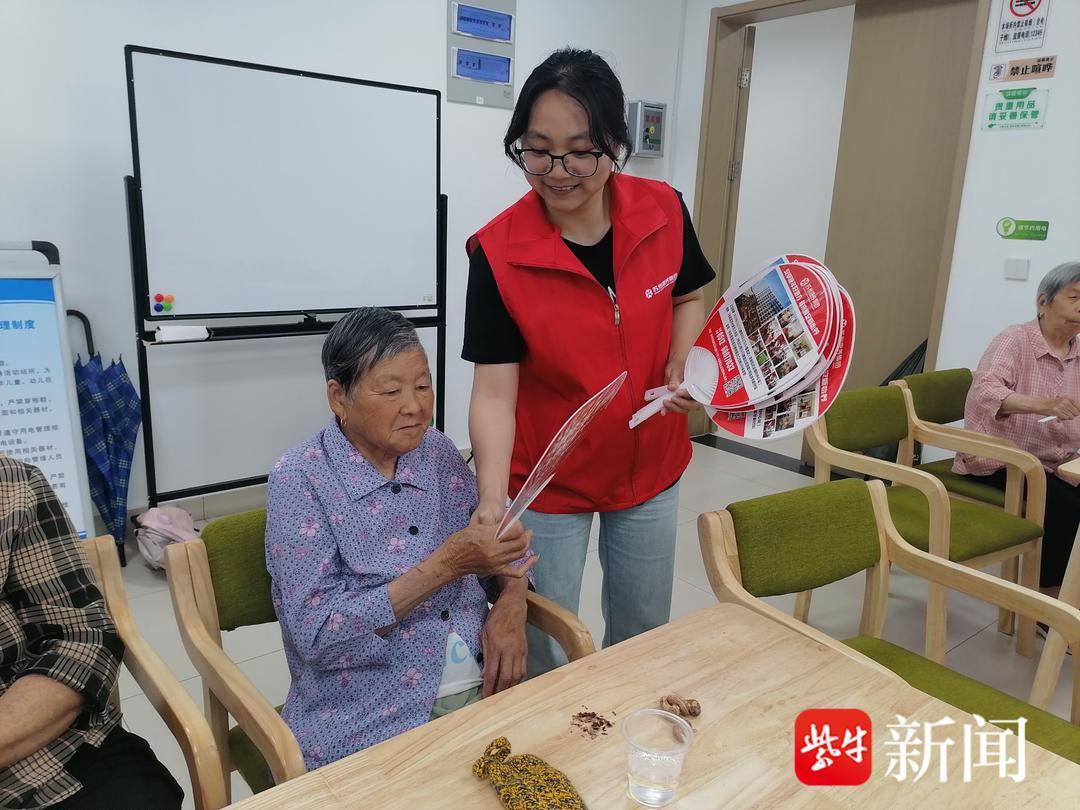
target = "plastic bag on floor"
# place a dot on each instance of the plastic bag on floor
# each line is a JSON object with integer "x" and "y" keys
{"x": 160, "y": 526}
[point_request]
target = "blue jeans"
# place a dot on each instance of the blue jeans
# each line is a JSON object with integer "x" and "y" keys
{"x": 637, "y": 555}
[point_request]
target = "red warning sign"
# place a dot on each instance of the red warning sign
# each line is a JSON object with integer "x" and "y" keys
{"x": 1024, "y": 8}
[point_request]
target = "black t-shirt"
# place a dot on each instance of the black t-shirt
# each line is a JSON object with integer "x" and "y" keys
{"x": 491, "y": 336}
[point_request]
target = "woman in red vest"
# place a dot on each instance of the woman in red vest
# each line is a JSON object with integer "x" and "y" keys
{"x": 590, "y": 274}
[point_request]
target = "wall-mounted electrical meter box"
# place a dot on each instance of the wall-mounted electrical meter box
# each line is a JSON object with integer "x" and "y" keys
{"x": 480, "y": 40}
{"x": 647, "y": 121}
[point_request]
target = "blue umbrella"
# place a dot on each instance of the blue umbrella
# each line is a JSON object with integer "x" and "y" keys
{"x": 123, "y": 415}
{"x": 111, "y": 413}
{"x": 90, "y": 389}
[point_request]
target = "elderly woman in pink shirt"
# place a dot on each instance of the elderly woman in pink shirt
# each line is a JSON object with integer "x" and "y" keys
{"x": 1030, "y": 373}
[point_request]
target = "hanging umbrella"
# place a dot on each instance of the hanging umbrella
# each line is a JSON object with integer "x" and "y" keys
{"x": 90, "y": 389}
{"x": 111, "y": 413}
{"x": 123, "y": 415}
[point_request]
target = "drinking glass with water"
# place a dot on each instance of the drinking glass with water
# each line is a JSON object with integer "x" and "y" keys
{"x": 657, "y": 743}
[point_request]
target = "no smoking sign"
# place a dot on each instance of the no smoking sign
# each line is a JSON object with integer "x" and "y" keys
{"x": 1024, "y": 8}
{"x": 1022, "y": 25}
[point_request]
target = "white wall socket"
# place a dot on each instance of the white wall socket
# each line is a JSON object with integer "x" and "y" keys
{"x": 1017, "y": 269}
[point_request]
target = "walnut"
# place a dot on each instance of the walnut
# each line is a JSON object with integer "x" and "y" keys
{"x": 683, "y": 707}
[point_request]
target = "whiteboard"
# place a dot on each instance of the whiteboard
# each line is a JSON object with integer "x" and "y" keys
{"x": 269, "y": 191}
{"x": 225, "y": 411}
{"x": 39, "y": 412}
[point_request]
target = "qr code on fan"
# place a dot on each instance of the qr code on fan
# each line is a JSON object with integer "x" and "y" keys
{"x": 732, "y": 385}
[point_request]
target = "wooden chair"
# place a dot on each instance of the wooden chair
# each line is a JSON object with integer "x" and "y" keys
{"x": 158, "y": 683}
{"x": 976, "y": 535}
{"x": 220, "y": 582}
{"x": 937, "y": 399}
{"x": 799, "y": 540}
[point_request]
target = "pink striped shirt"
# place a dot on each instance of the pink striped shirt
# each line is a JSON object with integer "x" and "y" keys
{"x": 1019, "y": 361}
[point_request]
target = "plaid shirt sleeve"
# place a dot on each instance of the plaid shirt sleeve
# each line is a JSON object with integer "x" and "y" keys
{"x": 70, "y": 636}
{"x": 53, "y": 622}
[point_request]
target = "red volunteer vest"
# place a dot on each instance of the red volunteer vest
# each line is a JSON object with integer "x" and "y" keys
{"x": 575, "y": 345}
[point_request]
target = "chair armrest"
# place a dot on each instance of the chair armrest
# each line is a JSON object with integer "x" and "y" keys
{"x": 270, "y": 734}
{"x": 878, "y": 468}
{"x": 974, "y": 444}
{"x": 933, "y": 490}
{"x": 999, "y": 592}
{"x": 966, "y": 441}
{"x": 562, "y": 625}
{"x": 964, "y": 433}
{"x": 161, "y": 687}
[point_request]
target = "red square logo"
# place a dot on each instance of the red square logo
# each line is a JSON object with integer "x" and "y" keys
{"x": 833, "y": 747}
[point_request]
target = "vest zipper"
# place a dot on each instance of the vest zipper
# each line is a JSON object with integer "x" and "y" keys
{"x": 630, "y": 382}
{"x": 626, "y": 358}
{"x": 615, "y": 304}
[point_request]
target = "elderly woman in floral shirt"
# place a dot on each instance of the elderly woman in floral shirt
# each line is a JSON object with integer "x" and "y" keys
{"x": 376, "y": 568}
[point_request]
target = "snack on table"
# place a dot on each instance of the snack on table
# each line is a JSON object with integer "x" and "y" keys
{"x": 524, "y": 781}
{"x": 683, "y": 707}
{"x": 591, "y": 724}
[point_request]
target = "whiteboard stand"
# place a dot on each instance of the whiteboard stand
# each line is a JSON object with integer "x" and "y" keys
{"x": 309, "y": 325}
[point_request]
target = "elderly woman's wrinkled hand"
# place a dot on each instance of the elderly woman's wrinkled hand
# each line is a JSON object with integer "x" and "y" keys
{"x": 474, "y": 550}
{"x": 505, "y": 647}
{"x": 1064, "y": 408}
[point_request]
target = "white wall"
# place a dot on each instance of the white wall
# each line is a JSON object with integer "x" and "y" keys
{"x": 792, "y": 136}
{"x": 64, "y": 142}
{"x": 689, "y": 95}
{"x": 1027, "y": 174}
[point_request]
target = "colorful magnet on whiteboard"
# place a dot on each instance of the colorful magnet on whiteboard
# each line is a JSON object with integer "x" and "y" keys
{"x": 159, "y": 298}
{"x": 167, "y": 306}
{"x": 158, "y": 307}
{"x": 169, "y": 298}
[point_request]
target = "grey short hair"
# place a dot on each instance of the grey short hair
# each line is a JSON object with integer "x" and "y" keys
{"x": 363, "y": 339}
{"x": 1056, "y": 280}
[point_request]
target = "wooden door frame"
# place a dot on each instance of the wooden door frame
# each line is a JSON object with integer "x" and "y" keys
{"x": 719, "y": 122}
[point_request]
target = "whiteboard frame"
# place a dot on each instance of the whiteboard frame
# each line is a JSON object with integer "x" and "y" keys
{"x": 139, "y": 258}
{"x": 145, "y": 348}
{"x": 51, "y": 272}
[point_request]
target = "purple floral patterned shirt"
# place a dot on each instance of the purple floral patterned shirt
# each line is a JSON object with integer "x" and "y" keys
{"x": 337, "y": 533}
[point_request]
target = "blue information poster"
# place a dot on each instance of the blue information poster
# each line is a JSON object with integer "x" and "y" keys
{"x": 37, "y": 422}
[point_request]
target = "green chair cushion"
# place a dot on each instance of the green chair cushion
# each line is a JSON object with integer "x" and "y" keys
{"x": 939, "y": 396}
{"x": 247, "y": 759}
{"x": 867, "y": 417}
{"x": 798, "y": 540}
{"x": 234, "y": 546}
{"x": 1044, "y": 729}
{"x": 964, "y": 484}
{"x": 976, "y": 530}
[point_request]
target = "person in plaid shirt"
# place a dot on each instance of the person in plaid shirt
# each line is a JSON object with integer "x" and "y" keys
{"x": 61, "y": 743}
{"x": 1027, "y": 390}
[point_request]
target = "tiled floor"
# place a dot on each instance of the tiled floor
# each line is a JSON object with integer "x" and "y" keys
{"x": 715, "y": 478}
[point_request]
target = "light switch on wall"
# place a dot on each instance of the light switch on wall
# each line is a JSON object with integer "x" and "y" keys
{"x": 1017, "y": 269}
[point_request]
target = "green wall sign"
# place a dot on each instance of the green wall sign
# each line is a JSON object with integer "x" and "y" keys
{"x": 1015, "y": 108}
{"x": 1026, "y": 229}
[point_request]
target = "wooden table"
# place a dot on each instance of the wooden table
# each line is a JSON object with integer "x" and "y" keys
{"x": 1071, "y": 468}
{"x": 752, "y": 676}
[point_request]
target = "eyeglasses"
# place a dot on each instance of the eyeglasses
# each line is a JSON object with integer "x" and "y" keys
{"x": 579, "y": 164}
